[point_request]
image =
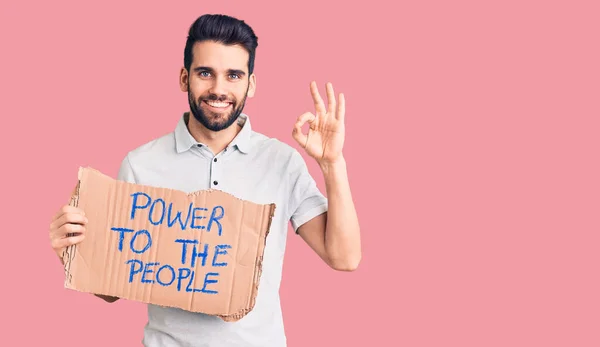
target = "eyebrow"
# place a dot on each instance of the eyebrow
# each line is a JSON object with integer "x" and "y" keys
{"x": 230, "y": 71}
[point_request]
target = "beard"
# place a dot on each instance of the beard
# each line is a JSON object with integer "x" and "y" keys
{"x": 215, "y": 121}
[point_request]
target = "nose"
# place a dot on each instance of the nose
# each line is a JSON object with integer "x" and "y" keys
{"x": 219, "y": 88}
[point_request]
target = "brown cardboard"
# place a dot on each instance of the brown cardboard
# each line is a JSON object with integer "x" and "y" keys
{"x": 97, "y": 265}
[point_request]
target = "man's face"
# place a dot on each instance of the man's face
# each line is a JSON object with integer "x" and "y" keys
{"x": 217, "y": 84}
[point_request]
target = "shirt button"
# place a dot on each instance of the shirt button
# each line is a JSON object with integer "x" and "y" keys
{"x": 215, "y": 160}
{"x": 215, "y": 183}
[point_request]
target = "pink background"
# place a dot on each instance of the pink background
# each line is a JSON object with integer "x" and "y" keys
{"x": 472, "y": 145}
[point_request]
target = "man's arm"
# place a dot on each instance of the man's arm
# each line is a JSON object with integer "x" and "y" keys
{"x": 335, "y": 235}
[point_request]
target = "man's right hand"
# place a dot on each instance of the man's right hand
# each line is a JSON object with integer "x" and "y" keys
{"x": 67, "y": 228}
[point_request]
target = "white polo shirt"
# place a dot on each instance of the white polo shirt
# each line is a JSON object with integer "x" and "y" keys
{"x": 253, "y": 167}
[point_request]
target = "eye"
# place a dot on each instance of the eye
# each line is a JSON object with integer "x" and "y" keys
{"x": 234, "y": 76}
{"x": 204, "y": 73}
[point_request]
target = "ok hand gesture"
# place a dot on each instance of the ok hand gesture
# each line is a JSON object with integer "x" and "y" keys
{"x": 325, "y": 138}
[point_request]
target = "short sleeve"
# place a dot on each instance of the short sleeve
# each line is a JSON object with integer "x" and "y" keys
{"x": 306, "y": 200}
{"x": 126, "y": 171}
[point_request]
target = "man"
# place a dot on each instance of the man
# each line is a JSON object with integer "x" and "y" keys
{"x": 214, "y": 146}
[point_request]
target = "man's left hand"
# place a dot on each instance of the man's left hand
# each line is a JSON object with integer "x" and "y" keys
{"x": 325, "y": 139}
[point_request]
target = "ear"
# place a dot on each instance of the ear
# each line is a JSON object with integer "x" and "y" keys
{"x": 183, "y": 80}
{"x": 252, "y": 86}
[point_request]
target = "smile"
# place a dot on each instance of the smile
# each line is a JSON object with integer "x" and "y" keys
{"x": 217, "y": 104}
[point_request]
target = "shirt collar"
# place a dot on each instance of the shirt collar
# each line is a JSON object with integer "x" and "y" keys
{"x": 242, "y": 140}
{"x": 184, "y": 140}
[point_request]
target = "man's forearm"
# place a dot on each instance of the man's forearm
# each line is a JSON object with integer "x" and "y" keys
{"x": 342, "y": 235}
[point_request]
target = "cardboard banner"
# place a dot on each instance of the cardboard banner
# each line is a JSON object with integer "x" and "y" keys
{"x": 201, "y": 252}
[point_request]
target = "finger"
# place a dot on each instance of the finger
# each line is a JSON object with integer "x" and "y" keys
{"x": 297, "y": 132}
{"x": 319, "y": 104}
{"x": 302, "y": 119}
{"x": 341, "y": 111}
{"x": 299, "y": 137}
{"x": 66, "y": 230}
{"x": 67, "y": 241}
{"x": 68, "y": 209}
{"x": 330, "y": 98}
{"x": 305, "y": 117}
{"x": 69, "y": 217}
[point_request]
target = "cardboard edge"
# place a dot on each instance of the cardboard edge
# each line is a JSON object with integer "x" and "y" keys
{"x": 233, "y": 317}
{"x": 189, "y": 194}
{"x": 69, "y": 253}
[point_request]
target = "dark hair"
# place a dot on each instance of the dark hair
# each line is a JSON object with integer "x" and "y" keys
{"x": 223, "y": 29}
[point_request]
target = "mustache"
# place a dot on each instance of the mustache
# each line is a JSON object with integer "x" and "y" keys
{"x": 221, "y": 98}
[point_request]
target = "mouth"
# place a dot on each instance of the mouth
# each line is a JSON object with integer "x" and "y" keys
{"x": 218, "y": 106}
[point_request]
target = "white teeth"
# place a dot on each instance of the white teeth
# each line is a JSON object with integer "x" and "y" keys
{"x": 217, "y": 104}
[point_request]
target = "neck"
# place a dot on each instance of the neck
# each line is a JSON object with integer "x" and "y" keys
{"x": 217, "y": 141}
